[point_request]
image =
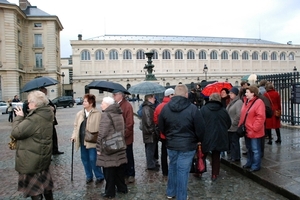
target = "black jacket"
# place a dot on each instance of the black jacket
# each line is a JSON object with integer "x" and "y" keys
{"x": 181, "y": 123}
{"x": 149, "y": 130}
{"x": 217, "y": 122}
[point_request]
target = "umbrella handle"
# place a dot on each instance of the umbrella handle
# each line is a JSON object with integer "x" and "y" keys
{"x": 72, "y": 160}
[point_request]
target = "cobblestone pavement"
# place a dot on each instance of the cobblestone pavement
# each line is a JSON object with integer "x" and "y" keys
{"x": 148, "y": 185}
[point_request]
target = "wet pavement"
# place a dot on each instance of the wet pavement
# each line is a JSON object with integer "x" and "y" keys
{"x": 278, "y": 178}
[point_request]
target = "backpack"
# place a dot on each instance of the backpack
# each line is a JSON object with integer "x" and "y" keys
{"x": 268, "y": 108}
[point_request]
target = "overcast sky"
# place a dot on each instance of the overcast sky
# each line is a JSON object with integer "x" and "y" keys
{"x": 273, "y": 20}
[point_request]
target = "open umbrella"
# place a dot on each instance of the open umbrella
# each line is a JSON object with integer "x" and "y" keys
{"x": 37, "y": 83}
{"x": 106, "y": 86}
{"x": 147, "y": 87}
{"x": 215, "y": 88}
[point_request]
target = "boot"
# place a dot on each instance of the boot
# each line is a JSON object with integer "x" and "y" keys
{"x": 38, "y": 197}
{"x": 278, "y": 136}
{"x": 48, "y": 195}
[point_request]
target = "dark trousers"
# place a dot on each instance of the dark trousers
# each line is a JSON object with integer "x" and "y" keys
{"x": 10, "y": 116}
{"x": 215, "y": 162}
{"x": 156, "y": 151}
{"x": 129, "y": 167}
{"x": 150, "y": 158}
{"x": 234, "y": 145}
{"x": 54, "y": 140}
{"x": 164, "y": 158}
{"x": 114, "y": 177}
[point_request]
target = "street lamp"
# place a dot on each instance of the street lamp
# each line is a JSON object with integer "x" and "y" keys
{"x": 205, "y": 69}
{"x": 149, "y": 68}
{"x": 63, "y": 76}
{"x": 295, "y": 69}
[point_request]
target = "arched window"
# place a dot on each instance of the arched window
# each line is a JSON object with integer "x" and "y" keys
{"x": 264, "y": 56}
{"x": 202, "y": 55}
{"x": 224, "y": 55}
{"x": 274, "y": 56}
{"x": 99, "y": 54}
{"x": 213, "y": 55}
{"x": 235, "y": 55}
{"x": 291, "y": 56}
{"x": 191, "y": 55}
{"x": 155, "y": 55}
{"x": 166, "y": 54}
{"x": 113, "y": 55}
{"x": 140, "y": 54}
{"x": 127, "y": 55}
{"x": 282, "y": 56}
{"x": 178, "y": 55}
{"x": 245, "y": 55}
{"x": 255, "y": 56}
{"x": 85, "y": 55}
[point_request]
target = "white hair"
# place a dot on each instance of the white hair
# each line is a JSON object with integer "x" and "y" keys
{"x": 108, "y": 100}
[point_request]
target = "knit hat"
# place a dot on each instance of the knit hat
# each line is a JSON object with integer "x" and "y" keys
{"x": 234, "y": 90}
{"x": 169, "y": 91}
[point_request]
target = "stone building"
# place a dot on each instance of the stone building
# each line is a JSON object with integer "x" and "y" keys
{"x": 121, "y": 58}
{"x": 29, "y": 47}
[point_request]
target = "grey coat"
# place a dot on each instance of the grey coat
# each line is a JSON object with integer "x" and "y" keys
{"x": 234, "y": 110}
{"x": 106, "y": 129}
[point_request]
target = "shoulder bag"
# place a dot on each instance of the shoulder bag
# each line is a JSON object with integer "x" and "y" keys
{"x": 115, "y": 142}
{"x": 241, "y": 131}
{"x": 90, "y": 136}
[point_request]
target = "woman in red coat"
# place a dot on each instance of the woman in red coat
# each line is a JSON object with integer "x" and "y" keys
{"x": 273, "y": 122}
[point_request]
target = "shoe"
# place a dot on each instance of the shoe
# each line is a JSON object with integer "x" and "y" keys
{"x": 123, "y": 192}
{"x": 107, "y": 196}
{"x": 278, "y": 141}
{"x": 98, "y": 181}
{"x": 246, "y": 166}
{"x": 89, "y": 181}
{"x": 170, "y": 197}
{"x": 156, "y": 169}
{"x": 234, "y": 160}
{"x": 270, "y": 143}
{"x": 245, "y": 153}
{"x": 254, "y": 170}
{"x": 214, "y": 177}
{"x": 57, "y": 153}
{"x": 131, "y": 179}
{"x": 198, "y": 175}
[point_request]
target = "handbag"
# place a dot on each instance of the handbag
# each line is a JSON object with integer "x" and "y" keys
{"x": 241, "y": 130}
{"x": 115, "y": 142}
{"x": 13, "y": 143}
{"x": 201, "y": 167}
{"x": 91, "y": 136}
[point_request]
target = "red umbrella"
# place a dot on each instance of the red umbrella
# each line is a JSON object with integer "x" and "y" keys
{"x": 215, "y": 88}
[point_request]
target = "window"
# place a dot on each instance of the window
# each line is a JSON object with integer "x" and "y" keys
{"x": 127, "y": 55}
{"x": 38, "y": 41}
{"x": 213, "y": 55}
{"x": 264, "y": 56}
{"x": 38, "y": 60}
{"x": 140, "y": 54}
{"x": 291, "y": 56}
{"x": 245, "y": 56}
{"x": 85, "y": 55}
{"x": 37, "y": 25}
{"x": 274, "y": 56}
{"x": 166, "y": 54}
{"x": 191, "y": 55}
{"x": 155, "y": 55}
{"x": 178, "y": 55}
{"x": 202, "y": 55}
{"x": 282, "y": 56}
{"x": 224, "y": 55}
{"x": 113, "y": 55}
{"x": 235, "y": 55}
{"x": 99, "y": 55}
{"x": 254, "y": 56}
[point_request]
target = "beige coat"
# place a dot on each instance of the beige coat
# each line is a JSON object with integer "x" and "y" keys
{"x": 92, "y": 125}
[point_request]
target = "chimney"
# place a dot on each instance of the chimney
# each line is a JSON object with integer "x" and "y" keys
{"x": 23, "y": 4}
{"x": 79, "y": 37}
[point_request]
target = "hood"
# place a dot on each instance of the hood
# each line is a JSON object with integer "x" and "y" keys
{"x": 44, "y": 112}
{"x": 214, "y": 105}
{"x": 179, "y": 103}
{"x": 114, "y": 108}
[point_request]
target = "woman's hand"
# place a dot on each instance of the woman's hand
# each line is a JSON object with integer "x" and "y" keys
{"x": 98, "y": 153}
{"x": 19, "y": 111}
{"x": 72, "y": 139}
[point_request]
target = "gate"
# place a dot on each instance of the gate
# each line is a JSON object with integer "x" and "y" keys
{"x": 287, "y": 84}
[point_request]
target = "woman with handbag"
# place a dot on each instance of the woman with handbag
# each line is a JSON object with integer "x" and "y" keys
{"x": 112, "y": 162}
{"x": 274, "y": 121}
{"x": 253, "y": 116}
{"x": 85, "y": 133}
{"x": 33, "y": 135}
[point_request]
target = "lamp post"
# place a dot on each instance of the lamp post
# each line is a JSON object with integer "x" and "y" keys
{"x": 149, "y": 68}
{"x": 205, "y": 69}
{"x": 63, "y": 83}
{"x": 295, "y": 69}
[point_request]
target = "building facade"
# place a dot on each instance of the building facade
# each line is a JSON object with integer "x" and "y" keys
{"x": 121, "y": 59}
{"x": 29, "y": 48}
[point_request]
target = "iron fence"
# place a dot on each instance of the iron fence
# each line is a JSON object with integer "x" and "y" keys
{"x": 283, "y": 83}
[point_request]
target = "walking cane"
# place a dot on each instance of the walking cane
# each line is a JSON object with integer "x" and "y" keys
{"x": 72, "y": 160}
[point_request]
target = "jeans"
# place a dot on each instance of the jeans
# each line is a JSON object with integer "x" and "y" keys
{"x": 179, "y": 168}
{"x": 129, "y": 167}
{"x": 253, "y": 146}
{"x": 89, "y": 158}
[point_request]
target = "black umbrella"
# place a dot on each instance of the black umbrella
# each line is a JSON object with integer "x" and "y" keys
{"x": 37, "y": 83}
{"x": 107, "y": 86}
